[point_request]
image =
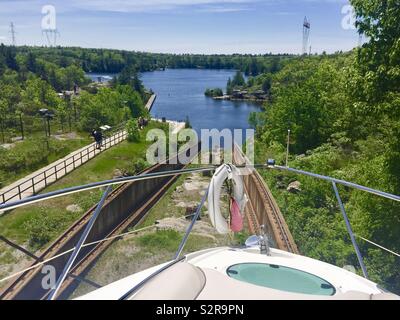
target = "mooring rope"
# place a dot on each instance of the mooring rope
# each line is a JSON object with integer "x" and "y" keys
{"x": 377, "y": 245}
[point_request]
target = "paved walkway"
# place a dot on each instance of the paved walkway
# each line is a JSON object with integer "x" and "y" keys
{"x": 150, "y": 103}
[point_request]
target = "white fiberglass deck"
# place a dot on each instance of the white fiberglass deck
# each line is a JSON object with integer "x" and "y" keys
{"x": 208, "y": 275}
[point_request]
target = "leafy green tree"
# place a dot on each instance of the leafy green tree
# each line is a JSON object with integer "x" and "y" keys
{"x": 377, "y": 81}
{"x": 238, "y": 80}
{"x": 133, "y": 130}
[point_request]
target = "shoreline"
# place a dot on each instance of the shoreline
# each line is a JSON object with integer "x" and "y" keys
{"x": 229, "y": 98}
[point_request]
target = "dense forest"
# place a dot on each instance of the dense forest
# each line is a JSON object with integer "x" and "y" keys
{"x": 343, "y": 113}
{"x": 114, "y": 61}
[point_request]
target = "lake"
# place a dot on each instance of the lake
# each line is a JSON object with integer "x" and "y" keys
{"x": 180, "y": 93}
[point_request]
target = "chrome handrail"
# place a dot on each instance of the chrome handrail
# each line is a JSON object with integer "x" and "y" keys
{"x": 192, "y": 223}
{"x": 154, "y": 274}
{"x": 338, "y": 181}
{"x": 96, "y": 185}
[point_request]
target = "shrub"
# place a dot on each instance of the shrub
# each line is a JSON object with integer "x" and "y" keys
{"x": 133, "y": 130}
{"x": 139, "y": 165}
{"x": 217, "y": 92}
{"x": 43, "y": 227}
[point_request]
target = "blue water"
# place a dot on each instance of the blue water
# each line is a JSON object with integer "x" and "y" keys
{"x": 180, "y": 93}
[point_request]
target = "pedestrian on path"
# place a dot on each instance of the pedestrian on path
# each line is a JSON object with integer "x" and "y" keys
{"x": 98, "y": 137}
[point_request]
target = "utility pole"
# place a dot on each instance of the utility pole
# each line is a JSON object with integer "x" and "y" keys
{"x": 287, "y": 149}
{"x": 48, "y": 125}
{"x": 21, "y": 123}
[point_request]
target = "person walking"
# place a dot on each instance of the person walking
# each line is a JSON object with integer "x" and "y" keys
{"x": 99, "y": 139}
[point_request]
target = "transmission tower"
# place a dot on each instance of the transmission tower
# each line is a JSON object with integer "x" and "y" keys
{"x": 306, "y": 35}
{"x": 51, "y": 36}
{"x": 13, "y": 33}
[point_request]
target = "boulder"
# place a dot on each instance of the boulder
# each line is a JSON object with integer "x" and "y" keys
{"x": 117, "y": 174}
{"x": 74, "y": 208}
{"x": 294, "y": 187}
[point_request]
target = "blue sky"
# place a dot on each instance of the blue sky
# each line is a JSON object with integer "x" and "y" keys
{"x": 183, "y": 26}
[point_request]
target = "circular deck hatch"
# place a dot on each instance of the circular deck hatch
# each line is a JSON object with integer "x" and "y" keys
{"x": 281, "y": 278}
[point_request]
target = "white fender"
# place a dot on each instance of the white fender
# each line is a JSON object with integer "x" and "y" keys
{"x": 214, "y": 194}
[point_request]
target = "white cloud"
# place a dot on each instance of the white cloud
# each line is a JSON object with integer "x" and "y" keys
{"x": 157, "y": 5}
{"x": 219, "y": 9}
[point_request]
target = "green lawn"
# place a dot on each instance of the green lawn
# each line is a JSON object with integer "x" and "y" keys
{"x": 32, "y": 154}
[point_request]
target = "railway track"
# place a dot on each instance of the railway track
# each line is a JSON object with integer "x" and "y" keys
{"x": 275, "y": 215}
{"x": 262, "y": 208}
{"x": 28, "y": 284}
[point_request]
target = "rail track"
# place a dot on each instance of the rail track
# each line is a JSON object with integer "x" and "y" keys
{"x": 276, "y": 216}
{"x": 262, "y": 208}
{"x": 28, "y": 284}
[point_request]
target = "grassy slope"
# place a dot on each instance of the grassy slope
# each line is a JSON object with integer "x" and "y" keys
{"x": 51, "y": 217}
{"x": 25, "y": 149}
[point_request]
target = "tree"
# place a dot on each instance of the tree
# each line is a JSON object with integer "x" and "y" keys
{"x": 216, "y": 92}
{"x": 133, "y": 130}
{"x": 267, "y": 83}
{"x": 377, "y": 79}
{"x": 31, "y": 62}
{"x": 229, "y": 88}
{"x": 238, "y": 79}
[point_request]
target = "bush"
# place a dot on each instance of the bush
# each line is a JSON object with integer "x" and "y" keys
{"x": 135, "y": 167}
{"x": 217, "y": 92}
{"x": 43, "y": 227}
{"x": 139, "y": 165}
{"x": 133, "y": 131}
